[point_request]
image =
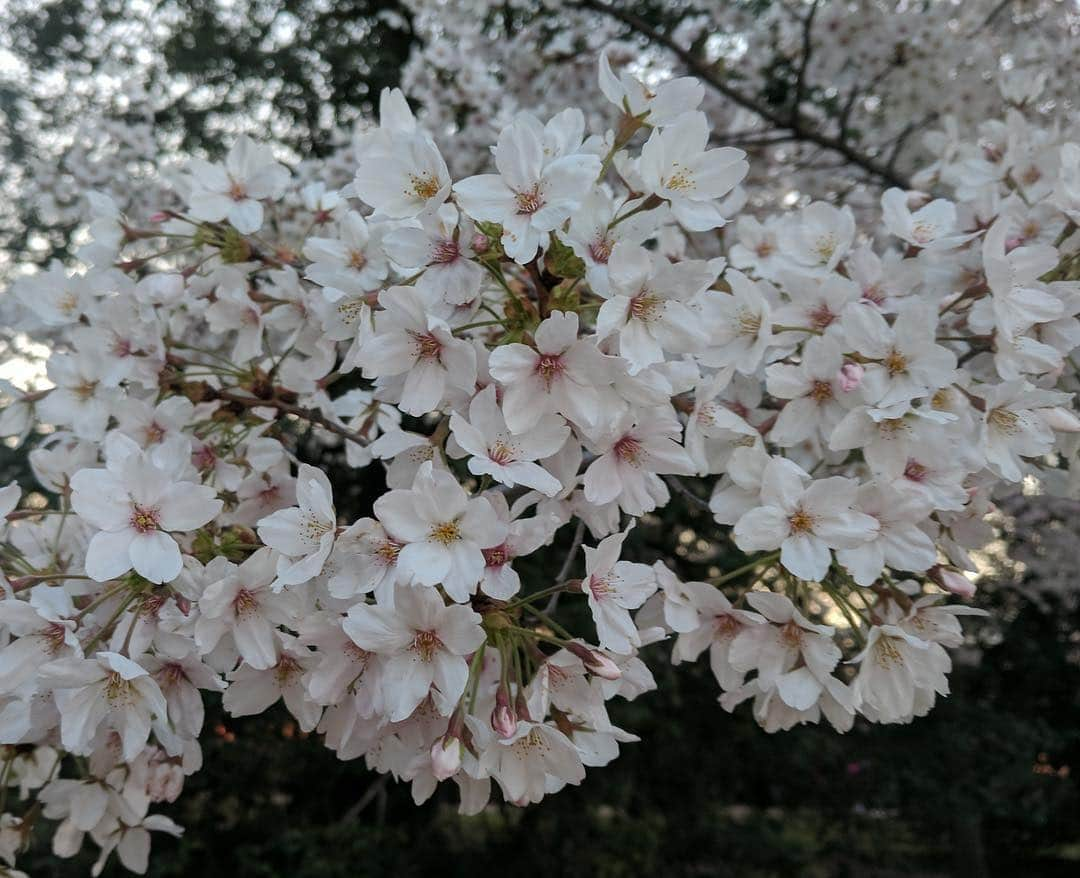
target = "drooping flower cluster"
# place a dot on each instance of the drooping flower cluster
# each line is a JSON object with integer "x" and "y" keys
{"x": 523, "y": 355}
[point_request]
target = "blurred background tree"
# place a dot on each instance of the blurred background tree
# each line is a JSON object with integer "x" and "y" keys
{"x": 983, "y": 786}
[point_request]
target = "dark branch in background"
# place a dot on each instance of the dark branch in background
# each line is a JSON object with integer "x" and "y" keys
{"x": 800, "y": 128}
{"x": 309, "y": 415}
{"x": 994, "y": 13}
{"x": 807, "y": 51}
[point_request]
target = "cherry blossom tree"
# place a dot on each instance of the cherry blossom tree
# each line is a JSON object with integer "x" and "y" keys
{"x": 541, "y": 325}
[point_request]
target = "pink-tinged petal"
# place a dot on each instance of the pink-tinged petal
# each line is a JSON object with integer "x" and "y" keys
{"x": 557, "y": 332}
{"x": 798, "y": 689}
{"x": 459, "y": 630}
{"x": 107, "y": 555}
{"x": 451, "y": 673}
{"x": 396, "y": 510}
{"x": 407, "y": 680}
{"x": 282, "y": 531}
{"x": 509, "y": 363}
{"x": 602, "y": 481}
{"x": 156, "y": 556}
{"x": 255, "y": 641}
{"x": 485, "y": 197}
{"x": 427, "y": 563}
{"x": 466, "y": 571}
{"x": 246, "y": 216}
{"x": 774, "y": 607}
{"x": 531, "y": 475}
{"x": 377, "y": 629}
{"x": 761, "y": 529}
{"x": 186, "y": 506}
{"x": 100, "y": 498}
{"x": 806, "y": 556}
{"x": 80, "y": 716}
{"x": 251, "y": 695}
{"x": 481, "y": 525}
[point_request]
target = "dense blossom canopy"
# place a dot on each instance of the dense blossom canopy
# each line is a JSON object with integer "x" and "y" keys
{"x": 544, "y": 327}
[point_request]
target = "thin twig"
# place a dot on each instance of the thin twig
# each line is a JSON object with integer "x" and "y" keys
{"x": 564, "y": 571}
{"x": 309, "y": 415}
{"x": 807, "y": 52}
{"x": 676, "y": 484}
{"x": 372, "y": 791}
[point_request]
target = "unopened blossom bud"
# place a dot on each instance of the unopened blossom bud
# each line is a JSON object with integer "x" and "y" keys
{"x": 521, "y": 707}
{"x": 953, "y": 581}
{"x": 595, "y": 662}
{"x": 503, "y": 720}
{"x": 446, "y": 757}
{"x": 600, "y": 665}
{"x": 165, "y": 782}
{"x": 159, "y": 217}
{"x": 851, "y": 376}
{"x": 479, "y": 243}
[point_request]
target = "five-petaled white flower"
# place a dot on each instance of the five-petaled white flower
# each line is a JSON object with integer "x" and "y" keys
{"x": 424, "y": 642}
{"x": 135, "y": 503}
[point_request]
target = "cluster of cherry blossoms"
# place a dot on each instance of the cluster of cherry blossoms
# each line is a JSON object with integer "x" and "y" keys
{"x": 531, "y": 359}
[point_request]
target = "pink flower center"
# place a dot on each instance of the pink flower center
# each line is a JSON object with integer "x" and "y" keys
{"x": 801, "y": 522}
{"x": 245, "y": 604}
{"x": 387, "y": 553}
{"x": 629, "y": 449}
{"x": 725, "y": 627}
{"x": 915, "y": 471}
{"x": 529, "y": 202}
{"x": 204, "y": 458}
{"x": 497, "y": 556}
{"x": 502, "y": 453}
{"x": 55, "y": 636}
{"x": 600, "y": 587}
{"x": 154, "y": 433}
{"x": 144, "y": 518}
{"x": 600, "y": 250}
{"x": 549, "y": 367}
{"x": 821, "y": 317}
{"x": 427, "y": 346}
{"x": 286, "y": 669}
{"x": 426, "y": 643}
{"x": 821, "y": 391}
{"x": 646, "y": 307}
{"x": 445, "y": 252}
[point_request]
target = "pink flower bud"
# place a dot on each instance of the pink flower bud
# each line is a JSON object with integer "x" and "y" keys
{"x": 953, "y": 581}
{"x": 595, "y": 662}
{"x": 600, "y": 665}
{"x": 503, "y": 720}
{"x": 159, "y": 217}
{"x": 165, "y": 783}
{"x": 446, "y": 757}
{"x": 851, "y": 376}
{"x": 479, "y": 243}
